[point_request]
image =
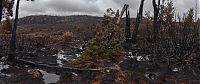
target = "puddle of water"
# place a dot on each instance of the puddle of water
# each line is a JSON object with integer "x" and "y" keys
{"x": 141, "y": 58}
{"x": 43, "y": 49}
{"x": 175, "y": 69}
{"x": 75, "y": 74}
{"x": 49, "y": 77}
{"x": 138, "y": 57}
{"x": 26, "y": 66}
{"x": 130, "y": 55}
{"x": 80, "y": 47}
{"x": 3, "y": 66}
{"x": 78, "y": 55}
{"x": 151, "y": 76}
{"x": 7, "y": 75}
{"x": 59, "y": 62}
{"x": 62, "y": 56}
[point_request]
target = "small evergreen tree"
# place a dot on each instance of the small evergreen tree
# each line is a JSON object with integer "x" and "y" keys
{"x": 106, "y": 43}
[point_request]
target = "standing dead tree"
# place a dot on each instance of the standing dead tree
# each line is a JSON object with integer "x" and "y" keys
{"x": 12, "y": 50}
{"x": 122, "y": 12}
{"x": 1, "y": 9}
{"x": 156, "y": 8}
{"x": 128, "y": 26}
{"x": 138, "y": 20}
{"x": 13, "y": 38}
{"x": 127, "y": 29}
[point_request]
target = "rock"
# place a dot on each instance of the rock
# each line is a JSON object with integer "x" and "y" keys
{"x": 35, "y": 73}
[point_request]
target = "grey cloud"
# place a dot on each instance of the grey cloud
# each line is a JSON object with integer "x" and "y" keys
{"x": 73, "y": 6}
{"x": 91, "y": 7}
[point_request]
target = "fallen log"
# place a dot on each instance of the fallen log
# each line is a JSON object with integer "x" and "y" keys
{"x": 58, "y": 68}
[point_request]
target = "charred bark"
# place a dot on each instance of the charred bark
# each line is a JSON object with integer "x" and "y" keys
{"x": 12, "y": 50}
{"x": 155, "y": 22}
{"x": 1, "y": 9}
{"x": 127, "y": 30}
{"x": 58, "y": 68}
{"x": 122, "y": 12}
{"x": 137, "y": 24}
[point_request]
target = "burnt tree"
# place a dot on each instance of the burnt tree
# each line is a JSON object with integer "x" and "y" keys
{"x": 156, "y": 8}
{"x": 127, "y": 30}
{"x": 12, "y": 50}
{"x": 122, "y": 12}
{"x": 1, "y": 9}
{"x": 13, "y": 38}
{"x": 137, "y": 24}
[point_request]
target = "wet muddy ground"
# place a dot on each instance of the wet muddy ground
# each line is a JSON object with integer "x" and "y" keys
{"x": 131, "y": 72}
{"x": 132, "y": 69}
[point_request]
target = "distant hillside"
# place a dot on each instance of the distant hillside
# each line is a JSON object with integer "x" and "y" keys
{"x": 82, "y": 26}
{"x": 56, "y": 23}
{"x": 45, "y": 19}
{"x": 46, "y": 23}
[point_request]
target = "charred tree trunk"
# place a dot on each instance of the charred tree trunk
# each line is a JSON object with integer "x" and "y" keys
{"x": 127, "y": 30}
{"x": 12, "y": 51}
{"x": 156, "y": 13}
{"x": 122, "y": 12}
{"x": 137, "y": 24}
{"x": 1, "y": 9}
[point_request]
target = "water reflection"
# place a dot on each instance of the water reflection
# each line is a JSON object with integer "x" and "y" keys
{"x": 49, "y": 77}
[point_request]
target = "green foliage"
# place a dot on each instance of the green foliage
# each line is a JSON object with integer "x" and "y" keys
{"x": 106, "y": 43}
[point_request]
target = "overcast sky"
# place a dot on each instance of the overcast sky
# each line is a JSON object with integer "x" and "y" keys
{"x": 89, "y": 7}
